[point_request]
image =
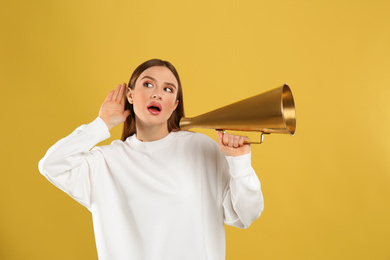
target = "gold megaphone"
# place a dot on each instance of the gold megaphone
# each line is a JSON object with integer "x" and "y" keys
{"x": 269, "y": 112}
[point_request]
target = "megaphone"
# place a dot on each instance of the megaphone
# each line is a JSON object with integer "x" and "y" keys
{"x": 270, "y": 112}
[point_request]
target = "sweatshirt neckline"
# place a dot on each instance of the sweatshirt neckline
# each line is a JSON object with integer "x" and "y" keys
{"x": 153, "y": 145}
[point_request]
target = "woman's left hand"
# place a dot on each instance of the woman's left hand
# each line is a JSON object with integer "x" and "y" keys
{"x": 233, "y": 145}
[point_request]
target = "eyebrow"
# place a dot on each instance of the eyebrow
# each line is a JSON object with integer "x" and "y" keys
{"x": 166, "y": 83}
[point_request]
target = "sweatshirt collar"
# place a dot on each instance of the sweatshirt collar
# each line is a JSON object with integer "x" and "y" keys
{"x": 150, "y": 146}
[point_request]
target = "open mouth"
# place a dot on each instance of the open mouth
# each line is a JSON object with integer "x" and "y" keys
{"x": 154, "y": 108}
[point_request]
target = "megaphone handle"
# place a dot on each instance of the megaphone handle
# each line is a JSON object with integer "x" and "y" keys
{"x": 261, "y": 139}
{"x": 250, "y": 142}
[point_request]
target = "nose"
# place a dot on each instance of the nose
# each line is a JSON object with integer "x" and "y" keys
{"x": 156, "y": 95}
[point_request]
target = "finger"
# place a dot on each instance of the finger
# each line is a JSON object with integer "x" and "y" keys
{"x": 244, "y": 140}
{"x": 241, "y": 141}
{"x": 236, "y": 140}
{"x": 109, "y": 96}
{"x": 121, "y": 94}
{"x": 219, "y": 136}
{"x": 225, "y": 139}
{"x": 116, "y": 93}
{"x": 231, "y": 141}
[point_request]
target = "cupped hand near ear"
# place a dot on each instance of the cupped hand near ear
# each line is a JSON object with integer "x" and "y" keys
{"x": 113, "y": 110}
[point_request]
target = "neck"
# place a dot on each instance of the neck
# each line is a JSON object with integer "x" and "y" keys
{"x": 151, "y": 133}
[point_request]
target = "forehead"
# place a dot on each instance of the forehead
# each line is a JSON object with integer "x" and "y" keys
{"x": 160, "y": 73}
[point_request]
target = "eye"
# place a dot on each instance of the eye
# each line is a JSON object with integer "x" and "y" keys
{"x": 148, "y": 85}
{"x": 167, "y": 89}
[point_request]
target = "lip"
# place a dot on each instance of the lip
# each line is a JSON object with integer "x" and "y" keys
{"x": 152, "y": 110}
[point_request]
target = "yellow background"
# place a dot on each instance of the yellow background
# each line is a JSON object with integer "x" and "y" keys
{"x": 326, "y": 189}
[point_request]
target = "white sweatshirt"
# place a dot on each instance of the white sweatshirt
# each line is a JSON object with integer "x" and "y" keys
{"x": 162, "y": 200}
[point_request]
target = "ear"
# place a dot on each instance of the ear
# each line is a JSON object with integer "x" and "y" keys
{"x": 130, "y": 95}
{"x": 177, "y": 103}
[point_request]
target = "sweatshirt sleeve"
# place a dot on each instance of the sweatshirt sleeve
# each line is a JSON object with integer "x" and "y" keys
{"x": 69, "y": 162}
{"x": 242, "y": 198}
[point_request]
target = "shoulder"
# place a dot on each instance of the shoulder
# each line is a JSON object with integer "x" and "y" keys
{"x": 201, "y": 148}
{"x": 114, "y": 146}
{"x": 196, "y": 141}
{"x": 193, "y": 137}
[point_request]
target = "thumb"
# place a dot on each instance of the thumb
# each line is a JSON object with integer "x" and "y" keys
{"x": 126, "y": 113}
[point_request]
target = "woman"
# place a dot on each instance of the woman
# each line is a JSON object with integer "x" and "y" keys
{"x": 159, "y": 193}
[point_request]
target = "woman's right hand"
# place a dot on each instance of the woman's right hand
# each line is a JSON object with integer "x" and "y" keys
{"x": 113, "y": 110}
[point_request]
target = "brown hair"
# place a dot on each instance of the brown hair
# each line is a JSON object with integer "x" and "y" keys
{"x": 173, "y": 122}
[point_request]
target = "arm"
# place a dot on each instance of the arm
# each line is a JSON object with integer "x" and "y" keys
{"x": 242, "y": 198}
{"x": 68, "y": 163}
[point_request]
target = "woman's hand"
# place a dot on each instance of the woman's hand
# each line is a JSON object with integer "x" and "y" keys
{"x": 113, "y": 110}
{"x": 233, "y": 145}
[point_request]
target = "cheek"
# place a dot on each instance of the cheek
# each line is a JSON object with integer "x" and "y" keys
{"x": 138, "y": 103}
{"x": 139, "y": 97}
{"x": 172, "y": 105}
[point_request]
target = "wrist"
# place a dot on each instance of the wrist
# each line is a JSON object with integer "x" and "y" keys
{"x": 107, "y": 122}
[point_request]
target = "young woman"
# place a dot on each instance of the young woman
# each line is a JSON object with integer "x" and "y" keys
{"x": 159, "y": 193}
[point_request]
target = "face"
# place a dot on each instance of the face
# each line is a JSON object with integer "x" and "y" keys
{"x": 154, "y": 96}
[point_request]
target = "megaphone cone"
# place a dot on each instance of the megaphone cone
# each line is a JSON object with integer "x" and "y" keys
{"x": 269, "y": 112}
